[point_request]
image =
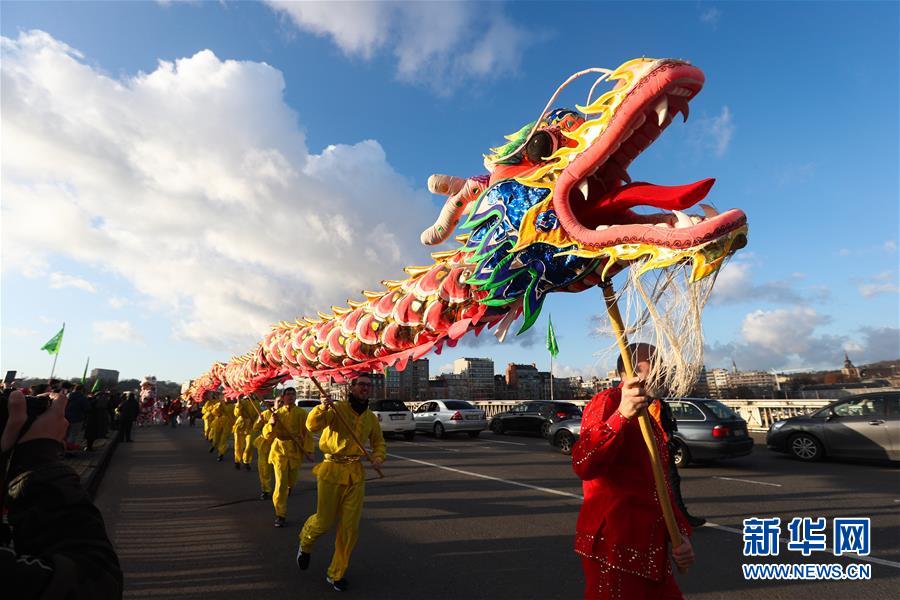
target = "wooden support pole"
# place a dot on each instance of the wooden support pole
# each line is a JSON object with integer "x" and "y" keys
{"x": 350, "y": 429}
{"x": 662, "y": 492}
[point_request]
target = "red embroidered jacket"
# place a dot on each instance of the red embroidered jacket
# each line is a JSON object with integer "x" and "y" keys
{"x": 621, "y": 522}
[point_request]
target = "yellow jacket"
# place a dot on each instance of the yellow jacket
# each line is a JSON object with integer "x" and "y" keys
{"x": 208, "y": 408}
{"x": 224, "y": 413}
{"x": 260, "y": 441}
{"x": 289, "y": 429}
{"x": 245, "y": 416}
{"x": 342, "y": 454}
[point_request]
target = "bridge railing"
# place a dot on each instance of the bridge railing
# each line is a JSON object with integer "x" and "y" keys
{"x": 759, "y": 414}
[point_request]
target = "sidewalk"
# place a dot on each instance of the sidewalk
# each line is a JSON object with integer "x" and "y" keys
{"x": 90, "y": 465}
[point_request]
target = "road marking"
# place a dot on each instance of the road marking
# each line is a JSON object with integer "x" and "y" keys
{"x": 502, "y": 442}
{"x": 431, "y": 446}
{"x": 749, "y": 481}
{"x": 490, "y": 478}
{"x": 781, "y": 540}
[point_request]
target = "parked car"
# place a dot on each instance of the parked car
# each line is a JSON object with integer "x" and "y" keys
{"x": 441, "y": 417}
{"x": 865, "y": 426}
{"x": 707, "y": 430}
{"x": 394, "y": 417}
{"x": 564, "y": 434}
{"x": 307, "y": 405}
{"x": 535, "y": 416}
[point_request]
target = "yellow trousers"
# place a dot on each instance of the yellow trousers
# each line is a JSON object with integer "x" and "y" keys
{"x": 286, "y": 472}
{"x": 336, "y": 502}
{"x": 221, "y": 441}
{"x": 263, "y": 466}
{"x": 243, "y": 447}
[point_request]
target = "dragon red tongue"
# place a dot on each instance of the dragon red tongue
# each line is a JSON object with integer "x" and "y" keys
{"x": 670, "y": 197}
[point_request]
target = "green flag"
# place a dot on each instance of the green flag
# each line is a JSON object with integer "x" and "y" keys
{"x": 84, "y": 375}
{"x": 96, "y": 387}
{"x": 552, "y": 346}
{"x": 52, "y": 346}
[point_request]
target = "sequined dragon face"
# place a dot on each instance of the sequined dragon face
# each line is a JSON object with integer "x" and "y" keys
{"x": 559, "y": 212}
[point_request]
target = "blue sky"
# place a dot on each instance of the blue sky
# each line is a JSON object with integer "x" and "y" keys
{"x": 168, "y": 210}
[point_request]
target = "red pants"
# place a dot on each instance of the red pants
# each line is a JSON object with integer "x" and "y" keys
{"x": 605, "y": 583}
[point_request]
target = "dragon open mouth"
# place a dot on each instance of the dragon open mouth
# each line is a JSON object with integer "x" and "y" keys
{"x": 594, "y": 193}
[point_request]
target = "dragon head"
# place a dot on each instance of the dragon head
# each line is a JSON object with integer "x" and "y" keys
{"x": 557, "y": 211}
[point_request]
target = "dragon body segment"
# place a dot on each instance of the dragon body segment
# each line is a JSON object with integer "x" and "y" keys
{"x": 553, "y": 214}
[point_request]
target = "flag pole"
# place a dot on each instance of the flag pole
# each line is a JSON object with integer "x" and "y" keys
{"x": 53, "y": 369}
{"x": 56, "y": 354}
{"x": 551, "y": 376}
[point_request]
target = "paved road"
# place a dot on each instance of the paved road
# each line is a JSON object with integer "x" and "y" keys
{"x": 483, "y": 519}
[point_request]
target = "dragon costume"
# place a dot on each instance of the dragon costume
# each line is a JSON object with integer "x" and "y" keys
{"x": 554, "y": 213}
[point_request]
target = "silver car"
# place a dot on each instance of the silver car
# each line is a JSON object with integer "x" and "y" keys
{"x": 441, "y": 417}
{"x": 865, "y": 426}
{"x": 564, "y": 434}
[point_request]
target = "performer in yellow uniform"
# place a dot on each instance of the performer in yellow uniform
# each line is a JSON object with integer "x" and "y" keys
{"x": 341, "y": 477}
{"x": 210, "y": 417}
{"x": 224, "y": 426}
{"x": 286, "y": 429}
{"x": 263, "y": 447}
{"x": 245, "y": 416}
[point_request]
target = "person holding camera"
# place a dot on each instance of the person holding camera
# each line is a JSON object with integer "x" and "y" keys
{"x": 54, "y": 544}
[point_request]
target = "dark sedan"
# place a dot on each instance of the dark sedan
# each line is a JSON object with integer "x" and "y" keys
{"x": 707, "y": 430}
{"x": 862, "y": 427}
{"x": 535, "y": 417}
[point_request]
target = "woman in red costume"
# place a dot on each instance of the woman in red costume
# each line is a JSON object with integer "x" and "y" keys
{"x": 621, "y": 535}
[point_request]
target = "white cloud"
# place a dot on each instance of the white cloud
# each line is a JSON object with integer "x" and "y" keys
{"x": 115, "y": 331}
{"x": 22, "y": 332}
{"x": 194, "y": 182}
{"x": 711, "y": 17}
{"x": 880, "y": 283}
{"x": 713, "y": 134}
{"x": 790, "y": 338}
{"x": 890, "y": 246}
{"x": 585, "y": 372}
{"x": 440, "y": 43}
{"x": 59, "y": 281}
{"x": 734, "y": 284}
{"x": 784, "y": 330}
{"x": 116, "y": 302}
{"x": 870, "y": 290}
{"x": 794, "y": 174}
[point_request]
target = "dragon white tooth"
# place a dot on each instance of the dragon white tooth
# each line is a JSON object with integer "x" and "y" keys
{"x": 662, "y": 109}
{"x": 682, "y": 219}
{"x": 640, "y": 121}
{"x": 663, "y": 225}
{"x": 601, "y": 227}
{"x": 709, "y": 211}
{"x": 695, "y": 220}
{"x": 583, "y": 188}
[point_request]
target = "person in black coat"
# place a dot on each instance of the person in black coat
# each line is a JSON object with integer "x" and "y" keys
{"x": 54, "y": 544}
{"x": 128, "y": 412}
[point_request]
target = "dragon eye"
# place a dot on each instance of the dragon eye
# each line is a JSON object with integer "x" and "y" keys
{"x": 540, "y": 146}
